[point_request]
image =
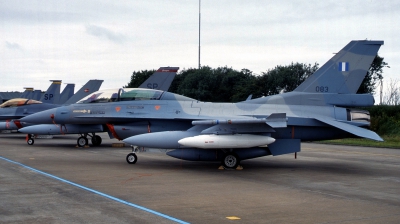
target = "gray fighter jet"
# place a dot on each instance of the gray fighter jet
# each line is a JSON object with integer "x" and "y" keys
{"x": 160, "y": 80}
{"x": 320, "y": 108}
{"x": 15, "y": 109}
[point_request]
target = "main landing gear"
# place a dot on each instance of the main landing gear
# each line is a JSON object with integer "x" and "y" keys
{"x": 131, "y": 158}
{"x": 230, "y": 160}
{"x": 83, "y": 140}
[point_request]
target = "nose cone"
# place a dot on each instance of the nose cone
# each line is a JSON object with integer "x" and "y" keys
{"x": 43, "y": 117}
{"x": 138, "y": 140}
{"x": 40, "y": 129}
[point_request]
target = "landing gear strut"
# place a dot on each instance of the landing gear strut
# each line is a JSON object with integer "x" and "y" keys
{"x": 131, "y": 158}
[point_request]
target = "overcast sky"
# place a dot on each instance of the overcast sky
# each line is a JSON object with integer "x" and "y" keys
{"x": 75, "y": 41}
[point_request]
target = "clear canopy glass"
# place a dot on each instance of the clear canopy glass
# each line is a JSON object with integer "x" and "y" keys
{"x": 18, "y": 102}
{"x": 123, "y": 94}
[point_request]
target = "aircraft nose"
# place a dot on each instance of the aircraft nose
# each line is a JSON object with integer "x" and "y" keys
{"x": 43, "y": 117}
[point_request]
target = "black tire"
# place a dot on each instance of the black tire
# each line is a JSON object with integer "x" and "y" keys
{"x": 96, "y": 140}
{"x": 131, "y": 158}
{"x": 82, "y": 141}
{"x": 30, "y": 141}
{"x": 230, "y": 161}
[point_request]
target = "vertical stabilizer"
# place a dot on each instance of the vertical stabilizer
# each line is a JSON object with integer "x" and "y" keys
{"x": 90, "y": 87}
{"x": 52, "y": 95}
{"x": 67, "y": 93}
{"x": 161, "y": 79}
{"x": 27, "y": 94}
{"x": 37, "y": 94}
{"x": 345, "y": 71}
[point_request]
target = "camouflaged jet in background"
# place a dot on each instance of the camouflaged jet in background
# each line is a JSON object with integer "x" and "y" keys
{"x": 320, "y": 108}
{"x": 159, "y": 80}
{"x": 14, "y": 109}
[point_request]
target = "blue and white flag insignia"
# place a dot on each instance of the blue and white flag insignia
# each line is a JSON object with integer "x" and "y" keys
{"x": 343, "y": 66}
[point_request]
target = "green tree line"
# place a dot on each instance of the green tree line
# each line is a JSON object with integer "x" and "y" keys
{"x": 225, "y": 84}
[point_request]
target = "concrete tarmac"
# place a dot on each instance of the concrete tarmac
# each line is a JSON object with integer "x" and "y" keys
{"x": 325, "y": 184}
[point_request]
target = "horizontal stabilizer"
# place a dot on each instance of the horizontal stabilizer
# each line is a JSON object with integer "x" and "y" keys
{"x": 360, "y": 132}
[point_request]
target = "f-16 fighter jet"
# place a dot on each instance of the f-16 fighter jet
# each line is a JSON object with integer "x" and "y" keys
{"x": 318, "y": 109}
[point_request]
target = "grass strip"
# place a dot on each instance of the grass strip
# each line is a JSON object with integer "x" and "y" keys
{"x": 389, "y": 142}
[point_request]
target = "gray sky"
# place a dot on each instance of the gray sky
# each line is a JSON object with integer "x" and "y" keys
{"x": 80, "y": 40}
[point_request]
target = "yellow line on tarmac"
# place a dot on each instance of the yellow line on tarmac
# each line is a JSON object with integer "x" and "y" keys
{"x": 233, "y": 218}
{"x": 361, "y": 153}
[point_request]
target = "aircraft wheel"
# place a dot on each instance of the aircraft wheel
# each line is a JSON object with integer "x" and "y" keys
{"x": 230, "y": 161}
{"x": 30, "y": 141}
{"x": 131, "y": 158}
{"x": 96, "y": 140}
{"x": 82, "y": 141}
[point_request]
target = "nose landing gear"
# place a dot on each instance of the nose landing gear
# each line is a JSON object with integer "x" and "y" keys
{"x": 132, "y": 158}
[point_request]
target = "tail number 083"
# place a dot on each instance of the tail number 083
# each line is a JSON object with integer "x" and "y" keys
{"x": 321, "y": 89}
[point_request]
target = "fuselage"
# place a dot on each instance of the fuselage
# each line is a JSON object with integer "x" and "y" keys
{"x": 174, "y": 112}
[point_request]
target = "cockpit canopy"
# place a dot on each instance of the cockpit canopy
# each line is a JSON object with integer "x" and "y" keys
{"x": 18, "y": 102}
{"x": 123, "y": 94}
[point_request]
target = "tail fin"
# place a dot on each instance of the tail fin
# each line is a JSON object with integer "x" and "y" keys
{"x": 345, "y": 71}
{"x": 90, "y": 87}
{"x": 27, "y": 94}
{"x": 37, "y": 94}
{"x": 52, "y": 95}
{"x": 161, "y": 79}
{"x": 67, "y": 93}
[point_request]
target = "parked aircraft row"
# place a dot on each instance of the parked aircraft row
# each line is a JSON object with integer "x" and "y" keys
{"x": 322, "y": 107}
{"x": 20, "y": 107}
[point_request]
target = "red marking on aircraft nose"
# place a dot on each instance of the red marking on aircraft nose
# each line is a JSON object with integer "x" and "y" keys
{"x": 52, "y": 116}
{"x": 157, "y": 107}
{"x": 118, "y": 109}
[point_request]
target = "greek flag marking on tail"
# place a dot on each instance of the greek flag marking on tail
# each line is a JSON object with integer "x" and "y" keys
{"x": 343, "y": 66}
